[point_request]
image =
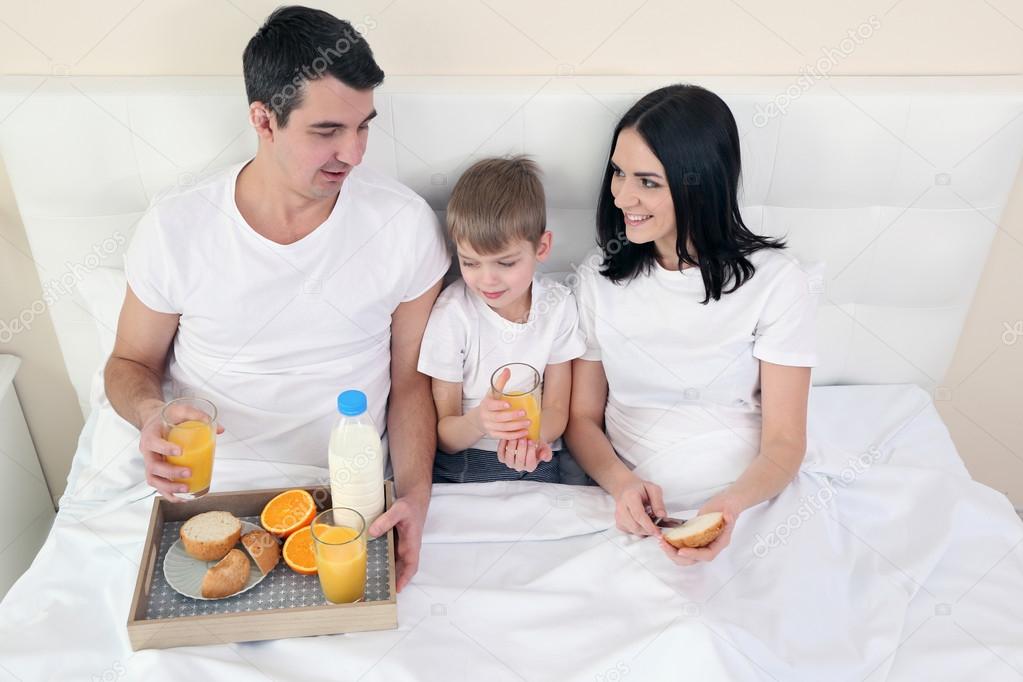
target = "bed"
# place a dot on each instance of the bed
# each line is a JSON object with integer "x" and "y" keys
{"x": 883, "y": 560}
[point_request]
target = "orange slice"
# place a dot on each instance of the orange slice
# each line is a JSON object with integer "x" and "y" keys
{"x": 298, "y": 552}
{"x": 289, "y": 511}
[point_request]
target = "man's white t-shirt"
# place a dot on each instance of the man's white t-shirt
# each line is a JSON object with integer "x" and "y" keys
{"x": 467, "y": 341}
{"x": 272, "y": 333}
{"x": 684, "y": 378}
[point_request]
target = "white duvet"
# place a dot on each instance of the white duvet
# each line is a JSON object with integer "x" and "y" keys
{"x": 883, "y": 560}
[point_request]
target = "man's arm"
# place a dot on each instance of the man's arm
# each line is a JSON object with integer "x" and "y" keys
{"x": 133, "y": 378}
{"x": 411, "y": 417}
{"x": 134, "y": 372}
{"x": 411, "y": 433}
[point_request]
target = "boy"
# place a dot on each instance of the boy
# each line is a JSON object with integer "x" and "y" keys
{"x": 500, "y": 312}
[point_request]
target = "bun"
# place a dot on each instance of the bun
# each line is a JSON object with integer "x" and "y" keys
{"x": 263, "y": 548}
{"x": 698, "y": 531}
{"x": 211, "y": 535}
{"x": 227, "y": 577}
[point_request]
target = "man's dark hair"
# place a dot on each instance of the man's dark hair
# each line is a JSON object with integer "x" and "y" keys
{"x": 299, "y": 44}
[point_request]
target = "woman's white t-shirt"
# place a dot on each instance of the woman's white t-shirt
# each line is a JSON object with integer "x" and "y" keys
{"x": 466, "y": 340}
{"x": 684, "y": 378}
{"x": 272, "y": 333}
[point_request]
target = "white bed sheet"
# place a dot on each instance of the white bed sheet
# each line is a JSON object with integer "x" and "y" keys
{"x": 910, "y": 571}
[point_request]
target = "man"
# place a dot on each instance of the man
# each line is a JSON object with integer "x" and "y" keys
{"x": 284, "y": 280}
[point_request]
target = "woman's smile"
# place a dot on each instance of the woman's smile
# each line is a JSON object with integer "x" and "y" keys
{"x": 636, "y": 219}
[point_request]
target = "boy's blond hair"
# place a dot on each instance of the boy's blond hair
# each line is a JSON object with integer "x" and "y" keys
{"x": 497, "y": 202}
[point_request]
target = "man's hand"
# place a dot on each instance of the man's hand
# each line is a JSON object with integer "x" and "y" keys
{"x": 160, "y": 473}
{"x": 407, "y": 516}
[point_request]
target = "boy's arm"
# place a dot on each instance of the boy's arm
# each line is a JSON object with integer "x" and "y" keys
{"x": 557, "y": 392}
{"x": 455, "y": 431}
{"x": 491, "y": 418}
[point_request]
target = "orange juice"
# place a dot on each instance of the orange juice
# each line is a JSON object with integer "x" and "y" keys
{"x": 197, "y": 441}
{"x": 528, "y": 403}
{"x": 342, "y": 568}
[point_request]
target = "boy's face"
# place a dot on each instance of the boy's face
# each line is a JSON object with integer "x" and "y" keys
{"x": 503, "y": 278}
{"x": 324, "y": 139}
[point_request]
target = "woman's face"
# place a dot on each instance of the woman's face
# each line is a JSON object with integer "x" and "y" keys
{"x": 640, "y": 188}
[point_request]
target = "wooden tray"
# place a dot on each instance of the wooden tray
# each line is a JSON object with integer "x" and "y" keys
{"x": 246, "y": 626}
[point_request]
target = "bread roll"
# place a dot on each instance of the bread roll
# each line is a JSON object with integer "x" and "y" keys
{"x": 227, "y": 577}
{"x": 263, "y": 548}
{"x": 211, "y": 535}
{"x": 698, "y": 531}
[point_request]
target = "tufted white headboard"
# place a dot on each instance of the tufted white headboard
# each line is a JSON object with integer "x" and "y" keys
{"x": 896, "y": 184}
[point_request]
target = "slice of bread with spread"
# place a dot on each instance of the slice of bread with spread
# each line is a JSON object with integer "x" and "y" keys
{"x": 699, "y": 531}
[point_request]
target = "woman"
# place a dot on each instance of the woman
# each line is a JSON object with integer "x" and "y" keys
{"x": 700, "y": 334}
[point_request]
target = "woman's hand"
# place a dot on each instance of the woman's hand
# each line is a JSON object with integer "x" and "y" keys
{"x": 523, "y": 454}
{"x": 634, "y": 502}
{"x": 689, "y": 555}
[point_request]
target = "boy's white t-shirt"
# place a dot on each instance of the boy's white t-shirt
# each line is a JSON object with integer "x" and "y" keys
{"x": 272, "y": 333}
{"x": 466, "y": 340}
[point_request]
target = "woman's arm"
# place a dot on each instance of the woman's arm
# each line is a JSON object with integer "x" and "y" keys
{"x": 557, "y": 390}
{"x": 585, "y": 431}
{"x": 784, "y": 394}
{"x": 592, "y": 449}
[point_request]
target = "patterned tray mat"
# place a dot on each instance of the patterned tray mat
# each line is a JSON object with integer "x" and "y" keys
{"x": 281, "y": 589}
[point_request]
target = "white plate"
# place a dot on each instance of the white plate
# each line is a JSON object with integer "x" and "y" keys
{"x": 184, "y": 573}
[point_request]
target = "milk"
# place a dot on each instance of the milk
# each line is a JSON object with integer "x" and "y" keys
{"x": 356, "y": 459}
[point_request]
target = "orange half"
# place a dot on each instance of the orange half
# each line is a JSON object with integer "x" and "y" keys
{"x": 289, "y": 511}
{"x": 298, "y": 552}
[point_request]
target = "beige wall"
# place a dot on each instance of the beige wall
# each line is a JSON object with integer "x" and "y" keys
{"x": 985, "y": 393}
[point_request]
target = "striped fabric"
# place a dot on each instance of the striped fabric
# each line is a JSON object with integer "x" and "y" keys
{"x": 478, "y": 466}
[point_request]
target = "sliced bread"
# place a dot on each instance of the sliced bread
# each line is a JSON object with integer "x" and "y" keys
{"x": 211, "y": 535}
{"x": 263, "y": 548}
{"x": 698, "y": 531}
{"x": 227, "y": 577}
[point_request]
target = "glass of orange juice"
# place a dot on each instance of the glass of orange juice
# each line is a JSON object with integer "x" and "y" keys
{"x": 339, "y": 542}
{"x": 191, "y": 424}
{"x": 521, "y": 392}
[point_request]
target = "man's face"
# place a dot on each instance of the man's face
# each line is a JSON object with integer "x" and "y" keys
{"x": 325, "y": 137}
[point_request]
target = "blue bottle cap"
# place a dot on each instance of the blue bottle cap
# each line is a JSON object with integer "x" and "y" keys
{"x": 351, "y": 403}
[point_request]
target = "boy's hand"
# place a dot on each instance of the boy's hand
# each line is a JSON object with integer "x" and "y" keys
{"x": 495, "y": 418}
{"x": 522, "y": 454}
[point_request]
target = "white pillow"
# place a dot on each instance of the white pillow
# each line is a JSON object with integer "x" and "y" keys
{"x": 103, "y": 293}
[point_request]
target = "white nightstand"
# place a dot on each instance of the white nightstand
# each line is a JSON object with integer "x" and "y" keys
{"x": 25, "y": 503}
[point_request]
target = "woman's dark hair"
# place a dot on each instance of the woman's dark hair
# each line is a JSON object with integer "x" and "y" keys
{"x": 299, "y": 44}
{"x": 693, "y": 134}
